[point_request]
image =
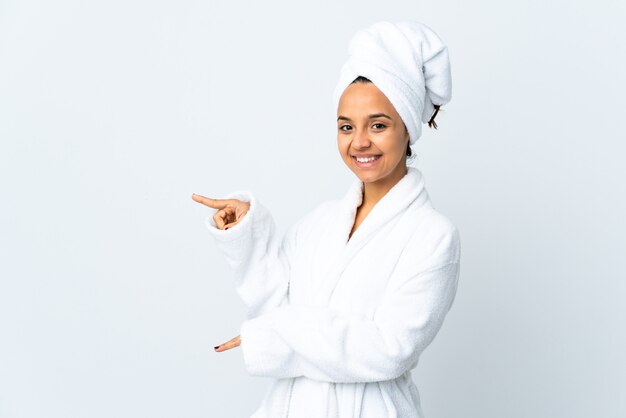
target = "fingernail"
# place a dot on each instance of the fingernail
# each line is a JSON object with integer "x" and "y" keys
{"x": 227, "y": 227}
{"x": 216, "y": 347}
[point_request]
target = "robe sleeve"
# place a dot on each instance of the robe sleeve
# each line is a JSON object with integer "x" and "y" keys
{"x": 259, "y": 258}
{"x": 323, "y": 344}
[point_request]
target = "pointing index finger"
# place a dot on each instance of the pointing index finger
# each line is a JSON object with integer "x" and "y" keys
{"x": 212, "y": 203}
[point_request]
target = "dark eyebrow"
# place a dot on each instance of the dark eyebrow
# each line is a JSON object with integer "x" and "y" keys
{"x": 372, "y": 116}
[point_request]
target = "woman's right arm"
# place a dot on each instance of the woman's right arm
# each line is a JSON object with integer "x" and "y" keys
{"x": 259, "y": 258}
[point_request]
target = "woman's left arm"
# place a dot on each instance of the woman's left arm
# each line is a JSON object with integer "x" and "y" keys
{"x": 322, "y": 344}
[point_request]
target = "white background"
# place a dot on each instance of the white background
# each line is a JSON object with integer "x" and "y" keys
{"x": 113, "y": 113}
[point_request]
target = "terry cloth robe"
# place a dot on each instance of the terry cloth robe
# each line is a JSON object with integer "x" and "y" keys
{"x": 339, "y": 322}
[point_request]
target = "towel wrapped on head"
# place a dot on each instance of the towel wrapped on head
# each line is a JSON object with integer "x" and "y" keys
{"x": 408, "y": 62}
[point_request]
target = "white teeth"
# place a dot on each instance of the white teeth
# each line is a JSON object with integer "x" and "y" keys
{"x": 366, "y": 160}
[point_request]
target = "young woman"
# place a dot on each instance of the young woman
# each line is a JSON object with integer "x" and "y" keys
{"x": 341, "y": 307}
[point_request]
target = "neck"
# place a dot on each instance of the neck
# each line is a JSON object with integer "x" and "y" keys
{"x": 374, "y": 191}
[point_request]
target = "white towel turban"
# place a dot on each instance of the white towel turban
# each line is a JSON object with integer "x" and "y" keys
{"x": 408, "y": 62}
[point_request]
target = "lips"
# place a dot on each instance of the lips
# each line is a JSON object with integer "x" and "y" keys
{"x": 367, "y": 164}
{"x": 367, "y": 156}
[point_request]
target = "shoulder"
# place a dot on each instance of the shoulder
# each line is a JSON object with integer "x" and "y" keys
{"x": 435, "y": 239}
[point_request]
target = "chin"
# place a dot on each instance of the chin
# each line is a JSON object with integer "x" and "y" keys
{"x": 368, "y": 176}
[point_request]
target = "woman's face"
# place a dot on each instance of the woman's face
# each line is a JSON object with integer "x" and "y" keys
{"x": 368, "y": 125}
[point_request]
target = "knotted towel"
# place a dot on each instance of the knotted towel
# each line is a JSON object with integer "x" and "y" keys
{"x": 408, "y": 62}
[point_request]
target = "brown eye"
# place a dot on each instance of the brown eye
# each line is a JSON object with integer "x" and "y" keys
{"x": 380, "y": 124}
{"x": 343, "y": 126}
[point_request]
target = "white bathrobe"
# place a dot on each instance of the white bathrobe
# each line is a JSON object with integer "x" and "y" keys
{"x": 339, "y": 322}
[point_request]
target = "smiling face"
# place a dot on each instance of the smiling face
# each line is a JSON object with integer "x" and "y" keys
{"x": 369, "y": 126}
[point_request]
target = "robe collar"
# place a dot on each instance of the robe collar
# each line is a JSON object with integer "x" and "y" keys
{"x": 409, "y": 190}
{"x": 338, "y": 250}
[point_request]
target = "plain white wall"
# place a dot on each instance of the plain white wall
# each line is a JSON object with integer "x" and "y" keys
{"x": 112, "y": 293}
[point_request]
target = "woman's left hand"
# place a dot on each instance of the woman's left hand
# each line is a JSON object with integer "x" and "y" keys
{"x": 228, "y": 344}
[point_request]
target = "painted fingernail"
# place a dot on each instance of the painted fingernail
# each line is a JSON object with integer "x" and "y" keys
{"x": 216, "y": 347}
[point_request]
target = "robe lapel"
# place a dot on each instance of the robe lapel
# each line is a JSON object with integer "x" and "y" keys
{"x": 337, "y": 250}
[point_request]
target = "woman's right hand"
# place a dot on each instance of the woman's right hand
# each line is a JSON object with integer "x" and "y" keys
{"x": 230, "y": 211}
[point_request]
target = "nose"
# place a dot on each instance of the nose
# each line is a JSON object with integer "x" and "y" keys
{"x": 361, "y": 139}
